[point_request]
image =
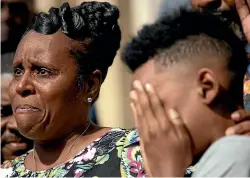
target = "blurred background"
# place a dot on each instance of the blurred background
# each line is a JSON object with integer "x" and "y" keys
{"x": 112, "y": 108}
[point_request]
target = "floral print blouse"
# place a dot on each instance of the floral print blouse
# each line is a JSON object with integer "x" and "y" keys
{"x": 247, "y": 90}
{"x": 115, "y": 154}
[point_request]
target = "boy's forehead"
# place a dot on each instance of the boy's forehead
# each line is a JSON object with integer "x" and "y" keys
{"x": 144, "y": 72}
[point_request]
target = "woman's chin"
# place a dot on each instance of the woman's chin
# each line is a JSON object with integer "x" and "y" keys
{"x": 31, "y": 130}
{"x": 32, "y": 134}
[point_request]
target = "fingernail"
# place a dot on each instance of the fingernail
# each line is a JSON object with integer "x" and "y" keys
{"x": 132, "y": 106}
{"x": 173, "y": 114}
{"x": 235, "y": 115}
{"x": 230, "y": 131}
{"x": 133, "y": 95}
{"x": 149, "y": 88}
{"x": 137, "y": 84}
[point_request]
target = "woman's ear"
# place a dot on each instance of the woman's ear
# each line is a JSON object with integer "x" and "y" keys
{"x": 93, "y": 85}
{"x": 208, "y": 86}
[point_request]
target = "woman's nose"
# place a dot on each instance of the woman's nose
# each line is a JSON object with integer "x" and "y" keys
{"x": 25, "y": 86}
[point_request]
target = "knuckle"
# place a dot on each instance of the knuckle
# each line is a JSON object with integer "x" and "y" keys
{"x": 147, "y": 139}
{"x": 139, "y": 114}
{"x": 152, "y": 133}
{"x": 154, "y": 101}
{"x": 144, "y": 103}
{"x": 165, "y": 127}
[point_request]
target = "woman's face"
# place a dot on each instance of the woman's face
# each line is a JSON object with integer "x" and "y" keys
{"x": 214, "y": 4}
{"x": 43, "y": 89}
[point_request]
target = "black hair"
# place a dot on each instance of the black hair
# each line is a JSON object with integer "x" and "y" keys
{"x": 93, "y": 24}
{"x": 202, "y": 32}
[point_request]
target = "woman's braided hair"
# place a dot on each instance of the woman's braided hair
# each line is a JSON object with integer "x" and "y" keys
{"x": 93, "y": 24}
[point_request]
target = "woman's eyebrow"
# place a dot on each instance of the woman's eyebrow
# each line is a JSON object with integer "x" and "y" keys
{"x": 17, "y": 64}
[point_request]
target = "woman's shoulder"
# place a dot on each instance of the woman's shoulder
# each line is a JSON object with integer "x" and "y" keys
{"x": 131, "y": 159}
{"x": 128, "y": 136}
{"x": 132, "y": 137}
{"x": 122, "y": 137}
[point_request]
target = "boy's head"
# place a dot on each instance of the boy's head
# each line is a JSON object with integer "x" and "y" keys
{"x": 195, "y": 68}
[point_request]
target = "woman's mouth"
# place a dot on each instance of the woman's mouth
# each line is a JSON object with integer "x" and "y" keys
{"x": 26, "y": 109}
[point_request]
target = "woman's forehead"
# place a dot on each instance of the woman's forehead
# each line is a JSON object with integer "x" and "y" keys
{"x": 36, "y": 43}
{"x": 38, "y": 49}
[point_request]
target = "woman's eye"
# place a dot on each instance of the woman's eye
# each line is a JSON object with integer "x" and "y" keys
{"x": 18, "y": 72}
{"x": 43, "y": 71}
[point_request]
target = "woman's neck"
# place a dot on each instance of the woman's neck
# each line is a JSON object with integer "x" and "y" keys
{"x": 50, "y": 154}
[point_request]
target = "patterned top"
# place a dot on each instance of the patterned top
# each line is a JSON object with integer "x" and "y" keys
{"x": 247, "y": 90}
{"x": 247, "y": 82}
{"x": 115, "y": 154}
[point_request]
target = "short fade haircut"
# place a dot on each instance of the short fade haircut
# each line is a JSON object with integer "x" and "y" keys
{"x": 185, "y": 35}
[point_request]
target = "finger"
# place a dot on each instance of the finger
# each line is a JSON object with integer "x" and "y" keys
{"x": 157, "y": 107}
{"x": 136, "y": 110}
{"x": 143, "y": 127}
{"x": 240, "y": 115}
{"x": 178, "y": 124}
{"x": 145, "y": 160}
{"x": 143, "y": 100}
{"x": 145, "y": 105}
{"x": 239, "y": 129}
{"x": 242, "y": 9}
{"x": 137, "y": 123}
